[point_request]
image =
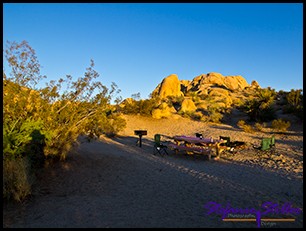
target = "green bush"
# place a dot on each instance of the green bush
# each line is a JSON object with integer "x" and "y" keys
{"x": 280, "y": 125}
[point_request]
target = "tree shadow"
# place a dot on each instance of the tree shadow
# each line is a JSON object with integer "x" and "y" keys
{"x": 34, "y": 150}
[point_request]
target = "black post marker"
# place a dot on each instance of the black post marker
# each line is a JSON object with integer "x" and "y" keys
{"x": 140, "y": 133}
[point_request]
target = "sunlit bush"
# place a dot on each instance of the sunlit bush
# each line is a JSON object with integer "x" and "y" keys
{"x": 47, "y": 121}
{"x": 280, "y": 125}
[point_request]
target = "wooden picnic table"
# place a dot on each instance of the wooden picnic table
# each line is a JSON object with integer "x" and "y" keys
{"x": 197, "y": 145}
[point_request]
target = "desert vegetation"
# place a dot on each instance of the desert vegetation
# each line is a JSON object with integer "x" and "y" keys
{"x": 40, "y": 123}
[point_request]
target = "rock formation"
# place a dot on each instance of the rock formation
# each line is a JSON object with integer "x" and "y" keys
{"x": 170, "y": 86}
{"x": 188, "y": 106}
{"x": 199, "y": 95}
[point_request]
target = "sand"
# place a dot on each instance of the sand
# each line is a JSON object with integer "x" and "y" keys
{"x": 114, "y": 183}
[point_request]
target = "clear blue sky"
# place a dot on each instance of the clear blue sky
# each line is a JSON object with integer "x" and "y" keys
{"x": 136, "y": 45}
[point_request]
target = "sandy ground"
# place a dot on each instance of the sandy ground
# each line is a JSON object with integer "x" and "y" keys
{"x": 114, "y": 183}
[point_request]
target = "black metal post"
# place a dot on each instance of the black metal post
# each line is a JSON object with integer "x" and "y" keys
{"x": 140, "y": 136}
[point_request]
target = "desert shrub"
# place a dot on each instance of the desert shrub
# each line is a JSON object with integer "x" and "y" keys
{"x": 194, "y": 96}
{"x": 260, "y": 127}
{"x": 198, "y": 116}
{"x": 130, "y": 107}
{"x": 142, "y": 107}
{"x": 215, "y": 117}
{"x": 248, "y": 128}
{"x": 294, "y": 104}
{"x": 245, "y": 127}
{"x": 280, "y": 125}
{"x": 295, "y": 98}
{"x": 147, "y": 106}
{"x": 175, "y": 101}
{"x": 241, "y": 123}
{"x": 214, "y": 114}
{"x": 25, "y": 139}
{"x": 204, "y": 97}
{"x": 185, "y": 114}
{"x": 17, "y": 179}
{"x": 260, "y": 108}
{"x": 47, "y": 121}
{"x": 110, "y": 125}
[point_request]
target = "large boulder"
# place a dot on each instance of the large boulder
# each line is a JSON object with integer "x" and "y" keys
{"x": 188, "y": 106}
{"x": 210, "y": 79}
{"x": 214, "y": 79}
{"x": 221, "y": 95}
{"x": 170, "y": 86}
{"x": 235, "y": 82}
{"x": 254, "y": 84}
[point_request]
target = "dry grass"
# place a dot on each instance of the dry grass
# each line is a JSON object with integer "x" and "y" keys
{"x": 16, "y": 179}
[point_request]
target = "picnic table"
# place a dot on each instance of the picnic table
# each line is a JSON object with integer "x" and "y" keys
{"x": 198, "y": 145}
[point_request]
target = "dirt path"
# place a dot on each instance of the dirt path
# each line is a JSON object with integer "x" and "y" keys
{"x": 113, "y": 183}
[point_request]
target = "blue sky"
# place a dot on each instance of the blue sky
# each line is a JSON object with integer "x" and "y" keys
{"x": 136, "y": 45}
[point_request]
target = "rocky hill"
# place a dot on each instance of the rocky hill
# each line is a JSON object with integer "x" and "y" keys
{"x": 202, "y": 84}
{"x": 213, "y": 97}
{"x": 206, "y": 90}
